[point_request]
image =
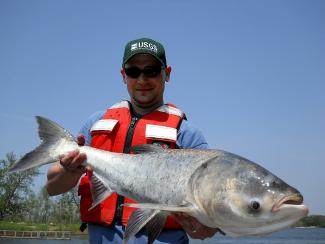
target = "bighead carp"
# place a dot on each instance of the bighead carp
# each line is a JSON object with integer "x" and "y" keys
{"x": 220, "y": 189}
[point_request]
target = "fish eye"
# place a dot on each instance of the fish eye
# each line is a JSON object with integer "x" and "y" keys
{"x": 255, "y": 205}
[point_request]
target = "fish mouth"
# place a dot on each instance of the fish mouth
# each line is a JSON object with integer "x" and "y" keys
{"x": 291, "y": 200}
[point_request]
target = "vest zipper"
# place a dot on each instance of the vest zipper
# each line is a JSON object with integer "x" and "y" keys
{"x": 129, "y": 135}
{"x": 127, "y": 149}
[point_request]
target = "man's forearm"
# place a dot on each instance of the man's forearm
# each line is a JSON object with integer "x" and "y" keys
{"x": 60, "y": 180}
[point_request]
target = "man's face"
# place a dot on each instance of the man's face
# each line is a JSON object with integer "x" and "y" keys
{"x": 147, "y": 89}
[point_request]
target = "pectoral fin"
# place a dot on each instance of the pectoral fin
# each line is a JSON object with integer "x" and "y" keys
{"x": 156, "y": 225}
{"x": 151, "y": 215}
{"x": 138, "y": 220}
{"x": 163, "y": 207}
{"x": 99, "y": 190}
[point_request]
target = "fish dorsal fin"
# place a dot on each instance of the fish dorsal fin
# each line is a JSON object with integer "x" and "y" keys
{"x": 147, "y": 148}
{"x": 99, "y": 190}
{"x": 137, "y": 221}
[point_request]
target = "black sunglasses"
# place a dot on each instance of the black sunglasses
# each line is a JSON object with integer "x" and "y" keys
{"x": 149, "y": 71}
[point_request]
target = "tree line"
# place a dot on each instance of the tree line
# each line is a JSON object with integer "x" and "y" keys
{"x": 19, "y": 203}
{"x": 312, "y": 221}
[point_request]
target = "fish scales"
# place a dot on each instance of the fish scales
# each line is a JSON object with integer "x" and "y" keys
{"x": 151, "y": 177}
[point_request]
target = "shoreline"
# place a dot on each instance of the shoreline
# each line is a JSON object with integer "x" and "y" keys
{"x": 42, "y": 235}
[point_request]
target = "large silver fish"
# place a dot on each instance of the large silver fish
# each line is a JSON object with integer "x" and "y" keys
{"x": 218, "y": 188}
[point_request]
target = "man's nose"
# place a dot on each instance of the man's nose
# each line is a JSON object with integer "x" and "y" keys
{"x": 142, "y": 79}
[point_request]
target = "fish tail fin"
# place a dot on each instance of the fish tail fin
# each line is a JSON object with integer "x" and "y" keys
{"x": 56, "y": 141}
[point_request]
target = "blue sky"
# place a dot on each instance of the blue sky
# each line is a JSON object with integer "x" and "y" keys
{"x": 249, "y": 74}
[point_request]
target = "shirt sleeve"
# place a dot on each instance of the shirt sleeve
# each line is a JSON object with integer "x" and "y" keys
{"x": 86, "y": 127}
{"x": 190, "y": 137}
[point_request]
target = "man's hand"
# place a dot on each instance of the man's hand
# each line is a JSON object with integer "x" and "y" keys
{"x": 65, "y": 174}
{"x": 194, "y": 228}
{"x": 72, "y": 162}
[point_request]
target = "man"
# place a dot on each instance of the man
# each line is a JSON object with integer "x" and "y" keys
{"x": 145, "y": 119}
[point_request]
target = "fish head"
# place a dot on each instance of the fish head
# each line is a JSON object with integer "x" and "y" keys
{"x": 242, "y": 198}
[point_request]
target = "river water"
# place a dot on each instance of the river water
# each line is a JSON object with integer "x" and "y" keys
{"x": 291, "y": 236}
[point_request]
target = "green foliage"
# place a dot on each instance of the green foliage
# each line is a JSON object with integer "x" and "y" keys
{"x": 19, "y": 203}
{"x": 312, "y": 220}
{"x": 60, "y": 209}
{"x": 66, "y": 211}
{"x": 30, "y": 226}
{"x": 14, "y": 189}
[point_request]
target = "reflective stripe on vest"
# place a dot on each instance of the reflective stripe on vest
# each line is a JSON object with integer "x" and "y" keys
{"x": 109, "y": 134}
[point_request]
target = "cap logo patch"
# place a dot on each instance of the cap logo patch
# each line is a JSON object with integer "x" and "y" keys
{"x": 144, "y": 45}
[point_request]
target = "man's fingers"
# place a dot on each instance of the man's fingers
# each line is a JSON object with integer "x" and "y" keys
{"x": 78, "y": 160}
{"x": 66, "y": 160}
{"x": 199, "y": 232}
{"x": 73, "y": 160}
{"x": 194, "y": 228}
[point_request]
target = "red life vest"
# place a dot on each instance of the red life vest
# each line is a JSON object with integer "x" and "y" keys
{"x": 110, "y": 134}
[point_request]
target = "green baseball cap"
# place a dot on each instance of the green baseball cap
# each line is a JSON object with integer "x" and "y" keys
{"x": 144, "y": 46}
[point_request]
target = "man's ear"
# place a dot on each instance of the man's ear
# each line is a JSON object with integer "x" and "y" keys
{"x": 123, "y": 75}
{"x": 168, "y": 70}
